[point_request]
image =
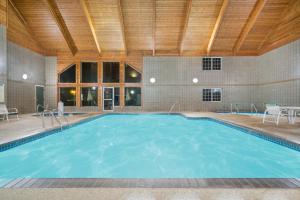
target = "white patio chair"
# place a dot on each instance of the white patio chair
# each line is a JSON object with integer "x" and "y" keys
{"x": 4, "y": 112}
{"x": 273, "y": 114}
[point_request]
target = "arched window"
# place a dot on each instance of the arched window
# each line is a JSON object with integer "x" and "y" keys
{"x": 132, "y": 75}
{"x": 68, "y": 75}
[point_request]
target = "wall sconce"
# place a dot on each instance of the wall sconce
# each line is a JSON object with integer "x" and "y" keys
{"x": 152, "y": 80}
{"x": 25, "y": 76}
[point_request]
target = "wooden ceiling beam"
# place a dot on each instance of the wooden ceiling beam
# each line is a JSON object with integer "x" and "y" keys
{"x": 90, "y": 22}
{"x": 53, "y": 8}
{"x": 185, "y": 25}
{"x": 154, "y": 27}
{"x": 25, "y": 24}
{"x": 217, "y": 26}
{"x": 249, "y": 24}
{"x": 121, "y": 18}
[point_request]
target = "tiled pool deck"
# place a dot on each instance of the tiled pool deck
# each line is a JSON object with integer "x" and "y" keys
{"x": 29, "y": 125}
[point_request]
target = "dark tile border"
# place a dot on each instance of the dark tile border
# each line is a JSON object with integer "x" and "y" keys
{"x": 153, "y": 183}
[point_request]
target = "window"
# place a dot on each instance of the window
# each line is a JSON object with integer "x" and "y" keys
{"x": 89, "y": 96}
{"x": 132, "y": 96}
{"x": 89, "y": 72}
{"x": 214, "y": 94}
{"x": 206, "y": 63}
{"x": 69, "y": 75}
{"x": 211, "y": 63}
{"x": 68, "y": 96}
{"x": 116, "y": 96}
{"x": 131, "y": 75}
{"x": 216, "y": 63}
{"x": 111, "y": 73}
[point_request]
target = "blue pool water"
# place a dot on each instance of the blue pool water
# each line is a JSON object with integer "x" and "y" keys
{"x": 150, "y": 146}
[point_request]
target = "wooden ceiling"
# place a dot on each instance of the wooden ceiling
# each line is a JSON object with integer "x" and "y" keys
{"x": 154, "y": 27}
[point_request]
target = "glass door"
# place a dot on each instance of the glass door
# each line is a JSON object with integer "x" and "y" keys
{"x": 108, "y": 98}
{"x": 39, "y": 98}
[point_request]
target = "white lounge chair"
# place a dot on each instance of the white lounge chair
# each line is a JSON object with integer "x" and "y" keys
{"x": 4, "y": 112}
{"x": 273, "y": 114}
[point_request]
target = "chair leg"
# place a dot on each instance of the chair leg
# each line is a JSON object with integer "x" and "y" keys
{"x": 277, "y": 120}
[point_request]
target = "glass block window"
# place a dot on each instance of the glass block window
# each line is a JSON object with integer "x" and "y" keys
{"x": 68, "y": 96}
{"x": 213, "y": 94}
{"x": 111, "y": 72}
{"x": 206, "y": 95}
{"x": 132, "y": 96}
{"x": 216, "y": 94}
{"x": 117, "y": 96}
{"x": 206, "y": 63}
{"x": 68, "y": 75}
{"x": 216, "y": 63}
{"x": 211, "y": 63}
{"x": 89, "y": 72}
{"x": 131, "y": 75}
{"x": 89, "y": 96}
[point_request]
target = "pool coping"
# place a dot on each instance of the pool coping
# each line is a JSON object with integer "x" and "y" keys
{"x": 238, "y": 183}
{"x": 159, "y": 182}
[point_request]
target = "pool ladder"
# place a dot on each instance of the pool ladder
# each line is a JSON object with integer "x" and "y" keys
{"x": 173, "y": 106}
{"x": 53, "y": 118}
{"x": 253, "y": 108}
{"x": 234, "y": 107}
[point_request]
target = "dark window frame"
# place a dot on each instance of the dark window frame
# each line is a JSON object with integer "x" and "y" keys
{"x": 119, "y": 96}
{"x": 209, "y": 95}
{"x": 66, "y": 69}
{"x": 119, "y": 74}
{"x": 97, "y": 95}
{"x": 125, "y": 65}
{"x": 141, "y": 101}
{"x": 97, "y": 68}
{"x": 212, "y": 63}
{"x": 71, "y": 87}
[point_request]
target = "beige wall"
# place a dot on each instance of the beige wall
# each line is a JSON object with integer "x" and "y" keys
{"x": 279, "y": 75}
{"x": 21, "y": 93}
{"x": 271, "y": 78}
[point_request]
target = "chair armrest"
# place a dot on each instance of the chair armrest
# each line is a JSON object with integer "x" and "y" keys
{"x": 12, "y": 110}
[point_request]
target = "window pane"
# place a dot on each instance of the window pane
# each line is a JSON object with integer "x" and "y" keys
{"x": 216, "y": 94}
{"x": 132, "y": 96}
{"x": 69, "y": 75}
{"x": 89, "y": 96}
{"x": 206, "y": 95}
{"x": 117, "y": 96}
{"x": 131, "y": 75}
{"x": 89, "y": 72}
{"x": 206, "y": 63}
{"x": 68, "y": 96}
{"x": 111, "y": 72}
{"x": 216, "y": 63}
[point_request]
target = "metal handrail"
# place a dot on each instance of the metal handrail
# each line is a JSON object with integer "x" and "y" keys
{"x": 53, "y": 117}
{"x": 173, "y": 106}
{"x": 40, "y": 106}
{"x": 253, "y": 108}
{"x": 62, "y": 115}
{"x": 234, "y": 106}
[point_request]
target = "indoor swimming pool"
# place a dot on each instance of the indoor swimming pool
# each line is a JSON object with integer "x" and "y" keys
{"x": 150, "y": 146}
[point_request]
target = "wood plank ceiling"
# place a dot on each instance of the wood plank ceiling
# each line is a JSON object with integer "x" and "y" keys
{"x": 154, "y": 27}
